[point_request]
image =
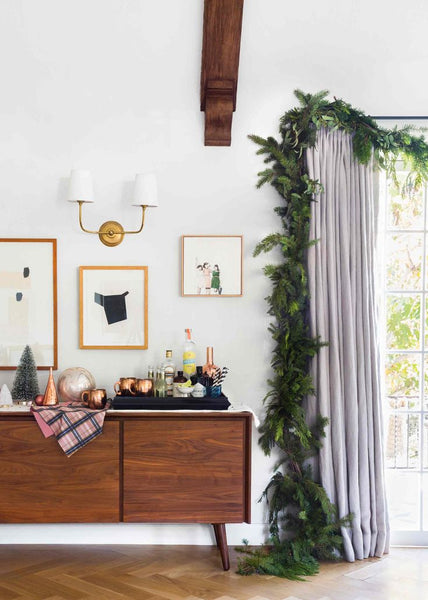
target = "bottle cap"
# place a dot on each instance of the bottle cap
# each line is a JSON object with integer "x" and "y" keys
{"x": 180, "y": 373}
{"x": 169, "y": 353}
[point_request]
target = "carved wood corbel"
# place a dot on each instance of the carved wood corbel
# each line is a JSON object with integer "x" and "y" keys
{"x": 220, "y": 62}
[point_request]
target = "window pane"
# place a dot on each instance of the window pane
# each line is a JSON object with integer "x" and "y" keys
{"x": 425, "y": 501}
{"x": 405, "y": 206}
{"x": 426, "y": 322}
{"x": 404, "y": 261}
{"x": 402, "y": 379}
{"x": 425, "y": 441}
{"x": 402, "y": 442}
{"x": 426, "y": 383}
{"x": 403, "y": 321}
{"x": 403, "y": 500}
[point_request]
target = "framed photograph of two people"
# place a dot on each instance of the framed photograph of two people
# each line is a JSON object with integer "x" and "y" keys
{"x": 211, "y": 265}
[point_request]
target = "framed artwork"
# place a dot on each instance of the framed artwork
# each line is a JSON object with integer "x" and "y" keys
{"x": 113, "y": 308}
{"x": 28, "y": 301}
{"x": 211, "y": 265}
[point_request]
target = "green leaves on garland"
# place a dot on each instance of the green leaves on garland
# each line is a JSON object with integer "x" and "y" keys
{"x": 304, "y": 526}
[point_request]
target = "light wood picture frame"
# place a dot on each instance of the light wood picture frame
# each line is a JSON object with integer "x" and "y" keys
{"x": 211, "y": 266}
{"x": 28, "y": 301}
{"x": 113, "y": 307}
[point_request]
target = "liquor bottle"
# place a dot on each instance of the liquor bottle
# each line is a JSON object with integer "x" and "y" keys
{"x": 160, "y": 384}
{"x": 179, "y": 378}
{"x": 196, "y": 376}
{"x": 200, "y": 377}
{"x": 168, "y": 367}
{"x": 200, "y": 382}
{"x": 189, "y": 355}
{"x": 209, "y": 367}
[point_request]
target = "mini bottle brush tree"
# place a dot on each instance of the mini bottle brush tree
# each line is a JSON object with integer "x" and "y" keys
{"x": 304, "y": 525}
{"x": 26, "y": 385}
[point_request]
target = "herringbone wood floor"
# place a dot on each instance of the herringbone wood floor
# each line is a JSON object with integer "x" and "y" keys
{"x": 194, "y": 573}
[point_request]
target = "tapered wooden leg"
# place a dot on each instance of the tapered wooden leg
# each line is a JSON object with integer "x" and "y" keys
{"x": 220, "y": 536}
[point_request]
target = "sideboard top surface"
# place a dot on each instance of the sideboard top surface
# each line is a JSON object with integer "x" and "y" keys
{"x": 138, "y": 414}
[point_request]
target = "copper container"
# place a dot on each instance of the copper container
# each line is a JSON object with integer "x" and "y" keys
{"x": 142, "y": 387}
{"x": 94, "y": 398}
{"x": 51, "y": 397}
{"x": 123, "y": 387}
{"x": 209, "y": 369}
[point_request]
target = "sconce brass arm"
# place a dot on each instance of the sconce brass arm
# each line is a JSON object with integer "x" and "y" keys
{"x": 81, "y": 202}
{"x": 143, "y": 216}
{"x": 111, "y": 233}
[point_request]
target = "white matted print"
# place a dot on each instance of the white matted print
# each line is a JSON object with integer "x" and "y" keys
{"x": 28, "y": 309}
{"x": 211, "y": 265}
{"x": 113, "y": 307}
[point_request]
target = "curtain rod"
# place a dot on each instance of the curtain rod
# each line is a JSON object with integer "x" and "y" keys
{"x": 401, "y": 118}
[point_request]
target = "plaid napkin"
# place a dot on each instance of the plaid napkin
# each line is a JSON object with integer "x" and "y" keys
{"x": 74, "y": 425}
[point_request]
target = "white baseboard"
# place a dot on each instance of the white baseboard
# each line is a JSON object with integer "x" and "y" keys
{"x": 409, "y": 538}
{"x": 129, "y": 533}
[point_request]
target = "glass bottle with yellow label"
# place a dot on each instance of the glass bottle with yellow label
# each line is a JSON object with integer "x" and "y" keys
{"x": 189, "y": 355}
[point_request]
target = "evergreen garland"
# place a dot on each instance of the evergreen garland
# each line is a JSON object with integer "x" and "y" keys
{"x": 304, "y": 526}
{"x": 26, "y": 385}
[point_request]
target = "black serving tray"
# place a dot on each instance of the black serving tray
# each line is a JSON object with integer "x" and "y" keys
{"x": 171, "y": 403}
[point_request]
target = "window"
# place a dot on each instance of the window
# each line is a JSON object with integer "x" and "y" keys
{"x": 403, "y": 218}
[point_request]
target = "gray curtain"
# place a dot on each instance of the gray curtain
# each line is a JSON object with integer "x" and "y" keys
{"x": 343, "y": 312}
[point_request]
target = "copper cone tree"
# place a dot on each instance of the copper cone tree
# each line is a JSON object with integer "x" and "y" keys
{"x": 51, "y": 397}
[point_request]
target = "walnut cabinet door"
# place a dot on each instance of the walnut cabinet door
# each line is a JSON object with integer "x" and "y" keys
{"x": 40, "y": 484}
{"x": 181, "y": 469}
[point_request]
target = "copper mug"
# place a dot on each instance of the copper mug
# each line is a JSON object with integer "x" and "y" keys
{"x": 123, "y": 387}
{"x": 94, "y": 398}
{"x": 142, "y": 387}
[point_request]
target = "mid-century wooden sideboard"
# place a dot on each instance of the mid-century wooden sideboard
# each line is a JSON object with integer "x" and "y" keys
{"x": 157, "y": 467}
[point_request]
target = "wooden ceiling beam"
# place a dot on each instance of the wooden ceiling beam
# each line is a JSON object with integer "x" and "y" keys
{"x": 219, "y": 73}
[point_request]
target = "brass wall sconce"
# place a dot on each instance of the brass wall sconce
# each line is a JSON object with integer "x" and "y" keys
{"x": 111, "y": 233}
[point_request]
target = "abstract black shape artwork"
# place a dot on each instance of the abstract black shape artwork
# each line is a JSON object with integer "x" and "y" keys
{"x": 114, "y": 306}
{"x": 28, "y": 294}
{"x": 25, "y": 274}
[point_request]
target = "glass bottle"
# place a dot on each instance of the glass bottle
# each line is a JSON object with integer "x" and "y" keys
{"x": 199, "y": 377}
{"x": 160, "y": 384}
{"x": 168, "y": 367}
{"x": 179, "y": 378}
{"x": 201, "y": 382}
{"x": 189, "y": 355}
{"x": 209, "y": 367}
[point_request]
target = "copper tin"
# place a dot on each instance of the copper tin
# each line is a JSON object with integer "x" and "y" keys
{"x": 123, "y": 387}
{"x": 143, "y": 387}
{"x": 94, "y": 398}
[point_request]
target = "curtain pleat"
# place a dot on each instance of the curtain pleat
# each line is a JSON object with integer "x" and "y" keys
{"x": 343, "y": 313}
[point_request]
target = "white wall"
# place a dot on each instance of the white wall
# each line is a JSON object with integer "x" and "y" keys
{"x": 113, "y": 86}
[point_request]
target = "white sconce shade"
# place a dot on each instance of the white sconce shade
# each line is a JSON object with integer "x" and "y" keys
{"x": 80, "y": 187}
{"x": 145, "y": 190}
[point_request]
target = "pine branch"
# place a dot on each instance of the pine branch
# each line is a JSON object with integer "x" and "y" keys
{"x": 304, "y": 525}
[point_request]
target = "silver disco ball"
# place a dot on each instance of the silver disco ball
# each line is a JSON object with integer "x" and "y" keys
{"x": 72, "y": 382}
